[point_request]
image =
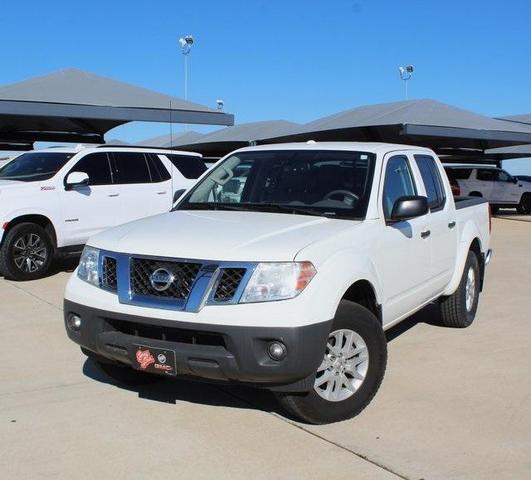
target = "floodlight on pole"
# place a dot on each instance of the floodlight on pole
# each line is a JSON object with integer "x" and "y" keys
{"x": 186, "y": 44}
{"x": 406, "y": 72}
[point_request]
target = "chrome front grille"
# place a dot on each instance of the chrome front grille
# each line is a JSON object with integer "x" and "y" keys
{"x": 228, "y": 284}
{"x": 183, "y": 274}
{"x": 109, "y": 278}
{"x": 173, "y": 284}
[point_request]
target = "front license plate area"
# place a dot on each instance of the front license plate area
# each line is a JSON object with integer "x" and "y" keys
{"x": 153, "y": 360}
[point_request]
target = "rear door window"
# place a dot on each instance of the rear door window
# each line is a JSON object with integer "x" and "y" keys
{"x": 97, "y": 167}
{"x": 157, "y": 169}
{"x": 189, "y": 166}
{"x": 487, "y": 175}
{"x": 458, "y": 173}
{"x": 432, "y": 181}
{"x": 130, "y": 167}
{"x": 398, "y": 182}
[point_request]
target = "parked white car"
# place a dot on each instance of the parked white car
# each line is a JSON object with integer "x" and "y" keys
{"x": 494, "y": 184}
{"x": 280, "y": 269}
{"x": 53, "y": 200}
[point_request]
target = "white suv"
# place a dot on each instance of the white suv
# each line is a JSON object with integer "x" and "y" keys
{"x": 53, "y": 200}
{"x": 494, "y": 184}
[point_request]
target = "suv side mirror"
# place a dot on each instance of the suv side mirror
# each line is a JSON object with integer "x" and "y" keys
{"x": 409, "y": 207}
{"x": 514, "y": 180}
{"x": 76, "y": 179}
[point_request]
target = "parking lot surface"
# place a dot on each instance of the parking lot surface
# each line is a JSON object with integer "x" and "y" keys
{"x": 455, "y": 404}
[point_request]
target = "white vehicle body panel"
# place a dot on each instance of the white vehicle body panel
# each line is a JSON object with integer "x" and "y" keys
{"x": 405, "y": 269}
{"x": 83, "y": 211}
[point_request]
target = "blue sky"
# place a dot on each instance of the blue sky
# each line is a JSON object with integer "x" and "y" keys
{"x": 297, "y": 59}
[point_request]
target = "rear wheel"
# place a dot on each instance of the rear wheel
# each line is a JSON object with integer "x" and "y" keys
{"x": 459, "y": 309}
{"x": 524, "y": 207}
{"x": 351, "y": 372}
{"x": 27, "y": 252}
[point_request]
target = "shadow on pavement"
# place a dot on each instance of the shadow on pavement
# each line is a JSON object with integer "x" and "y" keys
{"x": 219, "y": 394}
{"x": 168, "y": 390}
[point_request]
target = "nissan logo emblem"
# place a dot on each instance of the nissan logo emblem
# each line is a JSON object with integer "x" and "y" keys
{"x": 161, "y": 279}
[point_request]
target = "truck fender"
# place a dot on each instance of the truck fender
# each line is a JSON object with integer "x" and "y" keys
{"x": 14, "y": 214}
{"x": 468, "y": 235}
{"x": 341, "y": 271}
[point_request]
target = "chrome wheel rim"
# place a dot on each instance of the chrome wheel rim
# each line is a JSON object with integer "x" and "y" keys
{"x": 470, "y": 289}
{"x": 344, "y": 366}
{"x": 29, "y": 253}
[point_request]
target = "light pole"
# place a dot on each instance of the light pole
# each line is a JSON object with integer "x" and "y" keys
{"x": 186, "y": 46}
{"x": 406, "y": 73}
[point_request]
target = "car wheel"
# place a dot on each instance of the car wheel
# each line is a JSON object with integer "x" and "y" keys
{"x": 524, "y": 207}
{"x": 122, "y": 374}
{"x": 351, "y": 372}
{"x": 459, "y": 309}
{"x": 27, "y": 252}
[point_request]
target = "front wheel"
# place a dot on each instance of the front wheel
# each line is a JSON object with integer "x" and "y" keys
{"x": 351, "y": 372}
{"x": 27, "y": 252}
{"x": 459, "y": 309}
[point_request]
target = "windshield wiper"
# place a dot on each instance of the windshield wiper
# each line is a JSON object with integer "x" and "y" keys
{"x": 257, "y": 206}
{"x": 210, "y": 206}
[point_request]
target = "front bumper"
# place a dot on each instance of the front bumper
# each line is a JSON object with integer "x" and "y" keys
{"x": 216, "y": 352}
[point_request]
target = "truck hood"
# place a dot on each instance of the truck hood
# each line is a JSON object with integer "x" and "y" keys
{"x": 220, "y": 235}
{"x": 11, "y": 183}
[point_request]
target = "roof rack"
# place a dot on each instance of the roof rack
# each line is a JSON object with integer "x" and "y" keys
{"x": 145, "y": 147}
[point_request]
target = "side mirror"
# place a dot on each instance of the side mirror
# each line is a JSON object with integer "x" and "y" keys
{"x": 76, "y": 179}
{"x": 515, "y": 180}
{"x": 178, "y": 194}
{"x": 409, "y": 207}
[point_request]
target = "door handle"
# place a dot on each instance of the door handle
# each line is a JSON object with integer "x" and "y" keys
{"x": 425, "y": 233}
{"x": 451, "y": 225}
{"x": 113, "y": 195}
{"x": 162, "y": 193}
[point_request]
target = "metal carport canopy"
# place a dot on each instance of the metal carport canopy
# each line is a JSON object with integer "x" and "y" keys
{"x": 77, "y": 106}
{"x": 221, "y": 142}
{"x": 419, "y": 122}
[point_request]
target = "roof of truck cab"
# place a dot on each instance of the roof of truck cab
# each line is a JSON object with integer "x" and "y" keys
{"x": 370, "y": 147}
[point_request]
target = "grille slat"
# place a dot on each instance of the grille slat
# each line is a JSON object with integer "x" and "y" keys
{"x": 184, "y": 274}
{"x": 109, "y": 278}
{"x": 228, "y": 284}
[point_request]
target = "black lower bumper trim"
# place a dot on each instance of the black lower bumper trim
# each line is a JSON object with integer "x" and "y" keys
{"x": 217, "y": 352}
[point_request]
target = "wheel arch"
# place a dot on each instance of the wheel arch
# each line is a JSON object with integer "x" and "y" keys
{"x": 363, "y": 293}
{"x": 472, "y": 244}
{"x": 38, "y": 219}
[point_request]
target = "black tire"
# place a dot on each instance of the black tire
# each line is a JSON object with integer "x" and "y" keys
{"x": 122, "y": 374}
{"x": 313, "y": 408}
{"x": 524, "y": 207}
{"x": 23, "y": 241}
{"x": 454, "y": 311}
{"x": 494, "y": 209}
{"x": 475, "y": 194}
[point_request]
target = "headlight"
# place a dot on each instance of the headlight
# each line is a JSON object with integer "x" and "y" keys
{"x": 88, "y": 266}
{"x": 278, "y": 281}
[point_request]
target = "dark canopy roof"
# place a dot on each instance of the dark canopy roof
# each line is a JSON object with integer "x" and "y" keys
{"x": 168, "y": 141}
{"x": 420, "y": 122}
{"x": 221, "y": 142}
{"x": 76, "y": 106}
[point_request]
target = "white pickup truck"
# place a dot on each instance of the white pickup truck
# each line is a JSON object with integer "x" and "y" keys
{"x": 53, "y": 200}
{"x": 288, "y": 280}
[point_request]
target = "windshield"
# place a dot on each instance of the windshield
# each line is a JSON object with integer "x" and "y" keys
{"x": 309, "y": 182}
{"x": 34, "y": 166}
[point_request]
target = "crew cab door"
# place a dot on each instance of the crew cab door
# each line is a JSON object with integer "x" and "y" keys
{"x": 404, "y": 248}
{"x": 443, "y": 224}
{"x": 139, "y": 195}
{"x": 88, "y": 209}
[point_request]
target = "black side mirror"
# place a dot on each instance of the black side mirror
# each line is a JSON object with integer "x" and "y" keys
{"x": 178, "y": 194}
{"x": 409, "y": 207}
{"x": 515, "y": 180}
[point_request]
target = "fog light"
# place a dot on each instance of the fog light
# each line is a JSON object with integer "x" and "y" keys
{"x": 277, "y": 351}
{"x": 74, "y": 322}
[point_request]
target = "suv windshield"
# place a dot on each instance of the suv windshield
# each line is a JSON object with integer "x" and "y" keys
{"x": 309, "y": 182}
{"x": 34, "y": 166}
